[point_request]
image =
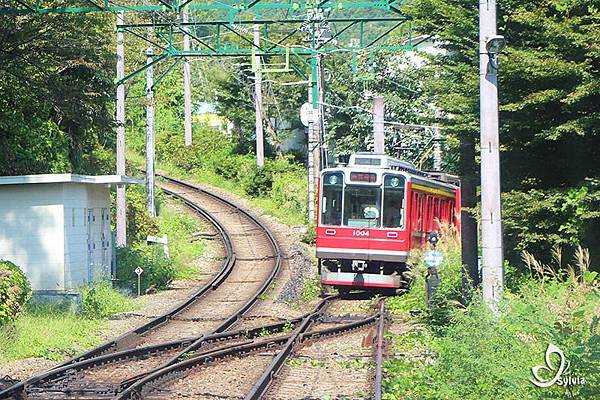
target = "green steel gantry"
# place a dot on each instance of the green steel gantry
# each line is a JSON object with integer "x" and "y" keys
{"x": 293, "y": 31}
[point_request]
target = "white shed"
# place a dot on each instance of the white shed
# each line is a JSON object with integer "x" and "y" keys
{"x": 56, "y": 227}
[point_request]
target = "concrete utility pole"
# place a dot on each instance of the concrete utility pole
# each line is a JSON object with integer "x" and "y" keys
{"x": 150, "y": 134}
{"x": 318, "y": 117}
{"x": 187, "y": 86}
{"x": 311, "y": 158}
{"x": 378, "y": 124}
{"x": 120, "y": 119}
{"x": 491, "y": 225}
{"x": 260, "y": 150}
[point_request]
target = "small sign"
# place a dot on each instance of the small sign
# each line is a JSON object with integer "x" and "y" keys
{"x": 306, "y": 114}
{"x": 139, "y": 270}
{"x": 434, "y": 258}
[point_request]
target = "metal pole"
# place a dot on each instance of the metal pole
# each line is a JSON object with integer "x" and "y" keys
{"x": 150, "y": 134}
{"x": 378, "y": 124}
{"x": 491, "y": 225}
{"x": 120, "y": 120}
{"x": 187, "y": 86}
{"x": 437, "y": 149}
{"x": 260, "y": 152}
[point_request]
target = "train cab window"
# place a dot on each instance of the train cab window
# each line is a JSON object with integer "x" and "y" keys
{"x": 331, "y": 200}
{"x": 393, "y": 201}
{"x": 362, "y": 207}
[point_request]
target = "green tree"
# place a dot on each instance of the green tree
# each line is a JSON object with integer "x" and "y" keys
{"x": 55, "y": 93}
{"x": 549, "y": 97}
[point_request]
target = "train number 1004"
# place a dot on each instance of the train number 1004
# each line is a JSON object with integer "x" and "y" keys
{"x": 360, "y": 233}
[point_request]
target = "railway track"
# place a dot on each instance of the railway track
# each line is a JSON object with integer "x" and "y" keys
{"x": 250, "y": 369}
{"x": 252, "y": 259}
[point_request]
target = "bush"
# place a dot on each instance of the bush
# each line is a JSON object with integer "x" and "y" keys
{"x": 100, "y": 300}
{"x": 139, "y": 223}
{"x": 15, "y": 291}
{"x": 159, "y": 271}
{"x": 479, "y": 355}
{"x": 538, "y": 220}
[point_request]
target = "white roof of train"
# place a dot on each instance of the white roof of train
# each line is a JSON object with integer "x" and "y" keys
{"x": 383, "y": 161}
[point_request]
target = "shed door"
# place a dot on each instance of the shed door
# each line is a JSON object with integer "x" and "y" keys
{"x": 90, "y": 243}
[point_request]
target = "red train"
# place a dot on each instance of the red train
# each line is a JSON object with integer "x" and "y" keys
{"x": 372, "y": 212}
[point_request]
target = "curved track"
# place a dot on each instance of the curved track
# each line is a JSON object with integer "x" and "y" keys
{"x": 252, "y": 260}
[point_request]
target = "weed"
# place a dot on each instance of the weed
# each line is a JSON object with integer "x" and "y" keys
{"x": 100, "y": 300}
{"x": 312, "y": 289}
{"x": 288, "y": 327}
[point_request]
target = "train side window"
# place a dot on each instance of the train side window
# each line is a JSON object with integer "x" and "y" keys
{"x": 331, "y": 199}
{"x": 393, "y": 201}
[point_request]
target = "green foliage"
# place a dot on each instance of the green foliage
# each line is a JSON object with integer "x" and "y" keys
{"x": 140, "y": 224}
{"x": 100, "y": 300}
{"x": 311, "y": 289}
{"x": 310, "y": 237}
{"x": 448, "y": 295}
{"x": 56, "y": 93}
{"x": 549, "y": 93}
{"x": 159, "y": 270}
{"x": 471, "y": 353}
{"x": 49, "y": 331}
{"x": 279, "y": 187}
{"x": 179, "y": 227}
{"x": 538, "y": 220}
{"x": 15, "y": 291}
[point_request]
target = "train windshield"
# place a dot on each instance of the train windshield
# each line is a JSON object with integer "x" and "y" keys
{"x": 362, "y": 206}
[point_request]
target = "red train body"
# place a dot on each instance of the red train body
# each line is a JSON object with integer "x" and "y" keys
{"x": 372, "y": 212}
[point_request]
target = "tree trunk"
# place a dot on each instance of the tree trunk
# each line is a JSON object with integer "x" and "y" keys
{"x": 468, "y": 174}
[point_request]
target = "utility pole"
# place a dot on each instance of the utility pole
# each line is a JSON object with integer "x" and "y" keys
{"x": 150, "y": 133}
{"x": 311, "y": 158}
{"x": 378, "y": 124}
{"x": 491, "y": 224}
{"x": 120, "y": 120}
{"x": 187, "y": 86}
{"x": 260, "y": 151}
{"x": 318, "y": 117}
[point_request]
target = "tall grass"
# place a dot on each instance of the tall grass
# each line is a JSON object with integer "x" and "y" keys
{"x": 48, "y": 331}
{"x": 471, "y": 354}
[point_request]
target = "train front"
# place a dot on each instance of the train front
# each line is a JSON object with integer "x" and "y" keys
{"x": 362, "y": 240}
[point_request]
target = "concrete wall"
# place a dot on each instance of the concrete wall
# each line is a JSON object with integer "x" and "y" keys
{"x": 31, "y": 232}
{"x": 58, "y": 233}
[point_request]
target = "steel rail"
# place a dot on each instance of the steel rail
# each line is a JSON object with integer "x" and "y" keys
{"x": 298, "y": 336}
{"x": 262, "y": 385}
{"x": 192, "y": 343}
{"x": 144, "y": 352}
{"x": 379, "y": 351}
{"x": 119, "y": 343}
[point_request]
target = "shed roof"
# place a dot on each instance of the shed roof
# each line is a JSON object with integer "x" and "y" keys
{"x": 70, "y": 178}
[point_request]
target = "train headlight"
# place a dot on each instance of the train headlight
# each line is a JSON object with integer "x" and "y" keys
{"x": 395, "y": 182}
{"x": 333, "y": 180}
